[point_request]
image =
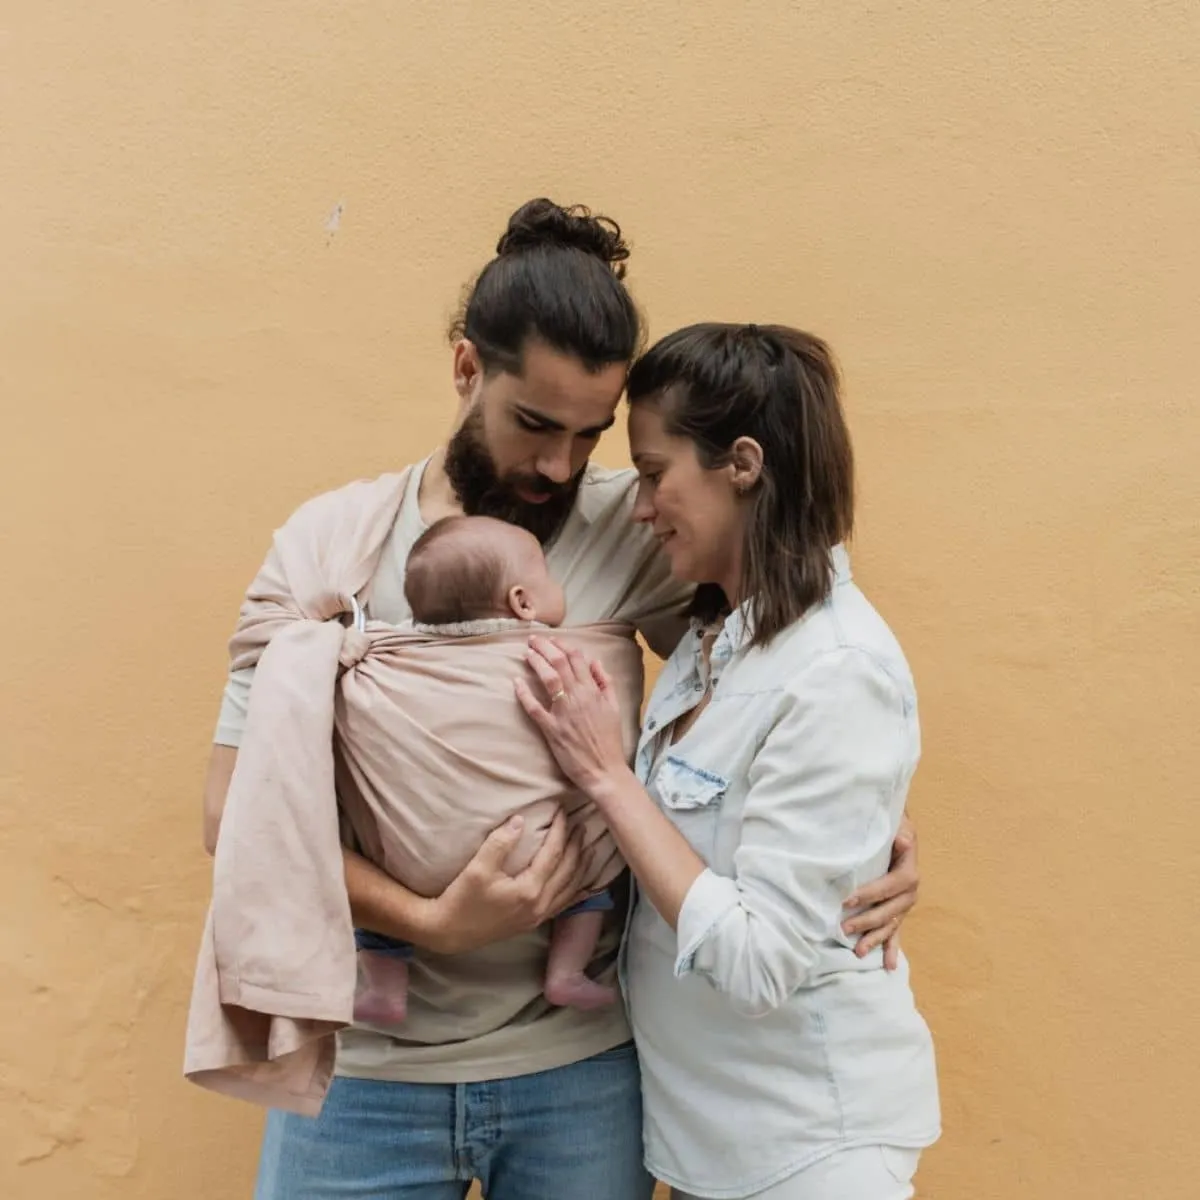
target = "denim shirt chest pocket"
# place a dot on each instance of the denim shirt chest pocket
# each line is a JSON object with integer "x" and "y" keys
{"x": 691, "y": 796}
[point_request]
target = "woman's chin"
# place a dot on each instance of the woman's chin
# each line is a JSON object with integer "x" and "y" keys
{"x": 681, "y": 568}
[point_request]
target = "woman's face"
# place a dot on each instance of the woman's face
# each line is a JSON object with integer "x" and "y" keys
{"x": 694, "y": 512}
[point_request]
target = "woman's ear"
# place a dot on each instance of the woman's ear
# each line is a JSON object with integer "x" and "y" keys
{"x": 468, "y": 370}
{"x": 746, "y": 464}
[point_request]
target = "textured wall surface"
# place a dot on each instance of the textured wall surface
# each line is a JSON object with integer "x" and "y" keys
{"x": 991, "y": 210}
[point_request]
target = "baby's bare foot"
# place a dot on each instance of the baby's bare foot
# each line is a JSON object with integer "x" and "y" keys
{"x": 382, "y": 997}
{"x": 578, "y": 991}
{"x": 379, "y": 1008}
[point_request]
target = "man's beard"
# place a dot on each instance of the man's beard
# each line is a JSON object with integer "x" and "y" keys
{"x": 483, "y": 492}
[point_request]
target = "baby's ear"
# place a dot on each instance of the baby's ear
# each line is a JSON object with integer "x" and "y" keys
{"x": 520, "y": 604}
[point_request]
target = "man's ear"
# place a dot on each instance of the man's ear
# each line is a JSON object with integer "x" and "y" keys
{"x": 468, "y": 370}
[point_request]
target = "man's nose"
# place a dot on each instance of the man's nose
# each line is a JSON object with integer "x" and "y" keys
{"x": 555, "y": 464}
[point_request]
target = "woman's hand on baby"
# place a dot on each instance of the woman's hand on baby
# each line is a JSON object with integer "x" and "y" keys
{"x": 485, "y": 904}
{"x": 578, "y": 713}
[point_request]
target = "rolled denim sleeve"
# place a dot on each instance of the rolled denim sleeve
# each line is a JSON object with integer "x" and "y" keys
{"x": 823, "y": 796}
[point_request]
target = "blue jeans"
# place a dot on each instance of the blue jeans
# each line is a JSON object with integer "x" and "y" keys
{"x": 573, "y": 1133}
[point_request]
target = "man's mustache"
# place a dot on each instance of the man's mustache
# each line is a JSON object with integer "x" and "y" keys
{"x": 539, "y": 485}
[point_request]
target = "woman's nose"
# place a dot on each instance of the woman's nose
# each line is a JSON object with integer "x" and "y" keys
{"x": 643, "y": 506}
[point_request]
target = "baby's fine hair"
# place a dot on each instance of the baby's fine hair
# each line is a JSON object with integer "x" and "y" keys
{"x": 456, "y": 573}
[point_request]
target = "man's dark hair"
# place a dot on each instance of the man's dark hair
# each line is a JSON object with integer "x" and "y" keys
{"x": 557, "y": 276}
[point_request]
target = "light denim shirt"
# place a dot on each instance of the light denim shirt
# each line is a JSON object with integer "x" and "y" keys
{"x": 765, "y": 1043}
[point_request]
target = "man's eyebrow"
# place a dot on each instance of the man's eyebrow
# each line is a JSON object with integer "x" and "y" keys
{"x": 552, "y": 426}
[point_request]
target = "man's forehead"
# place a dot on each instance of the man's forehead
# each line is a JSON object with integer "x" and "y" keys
{"x": 559, "y": 389}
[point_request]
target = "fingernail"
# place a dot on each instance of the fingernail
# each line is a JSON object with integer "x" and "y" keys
{"x": 516, "y": 824}
{"x": 851, "y": 903}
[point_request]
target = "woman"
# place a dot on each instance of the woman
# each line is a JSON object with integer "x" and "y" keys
{"x": 768, "y": 786}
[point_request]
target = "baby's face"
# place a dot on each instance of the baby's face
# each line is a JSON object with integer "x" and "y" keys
{"x": 533, "y": 593}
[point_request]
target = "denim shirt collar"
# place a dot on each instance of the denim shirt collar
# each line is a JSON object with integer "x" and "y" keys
{"x": 684, "y": 678}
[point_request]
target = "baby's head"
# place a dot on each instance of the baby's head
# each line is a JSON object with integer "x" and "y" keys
{"x": 476, "y": 568}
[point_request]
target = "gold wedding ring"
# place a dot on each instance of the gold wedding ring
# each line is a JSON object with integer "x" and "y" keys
{"x": 557, "y": 696}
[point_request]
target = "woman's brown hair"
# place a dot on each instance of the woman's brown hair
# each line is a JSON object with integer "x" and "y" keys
{"x": 716, "y": 383}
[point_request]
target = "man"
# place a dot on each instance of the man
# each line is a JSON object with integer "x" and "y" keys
{"x": 484, "y": 1079}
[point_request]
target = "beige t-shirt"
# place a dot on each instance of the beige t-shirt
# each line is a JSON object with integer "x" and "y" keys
{"x": 482, "y": 1015}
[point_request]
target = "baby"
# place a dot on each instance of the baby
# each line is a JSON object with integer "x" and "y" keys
{"x": 467, "y": 576}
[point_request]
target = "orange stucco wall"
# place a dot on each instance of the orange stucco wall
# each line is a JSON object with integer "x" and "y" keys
{"x": 991, "y": 211}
